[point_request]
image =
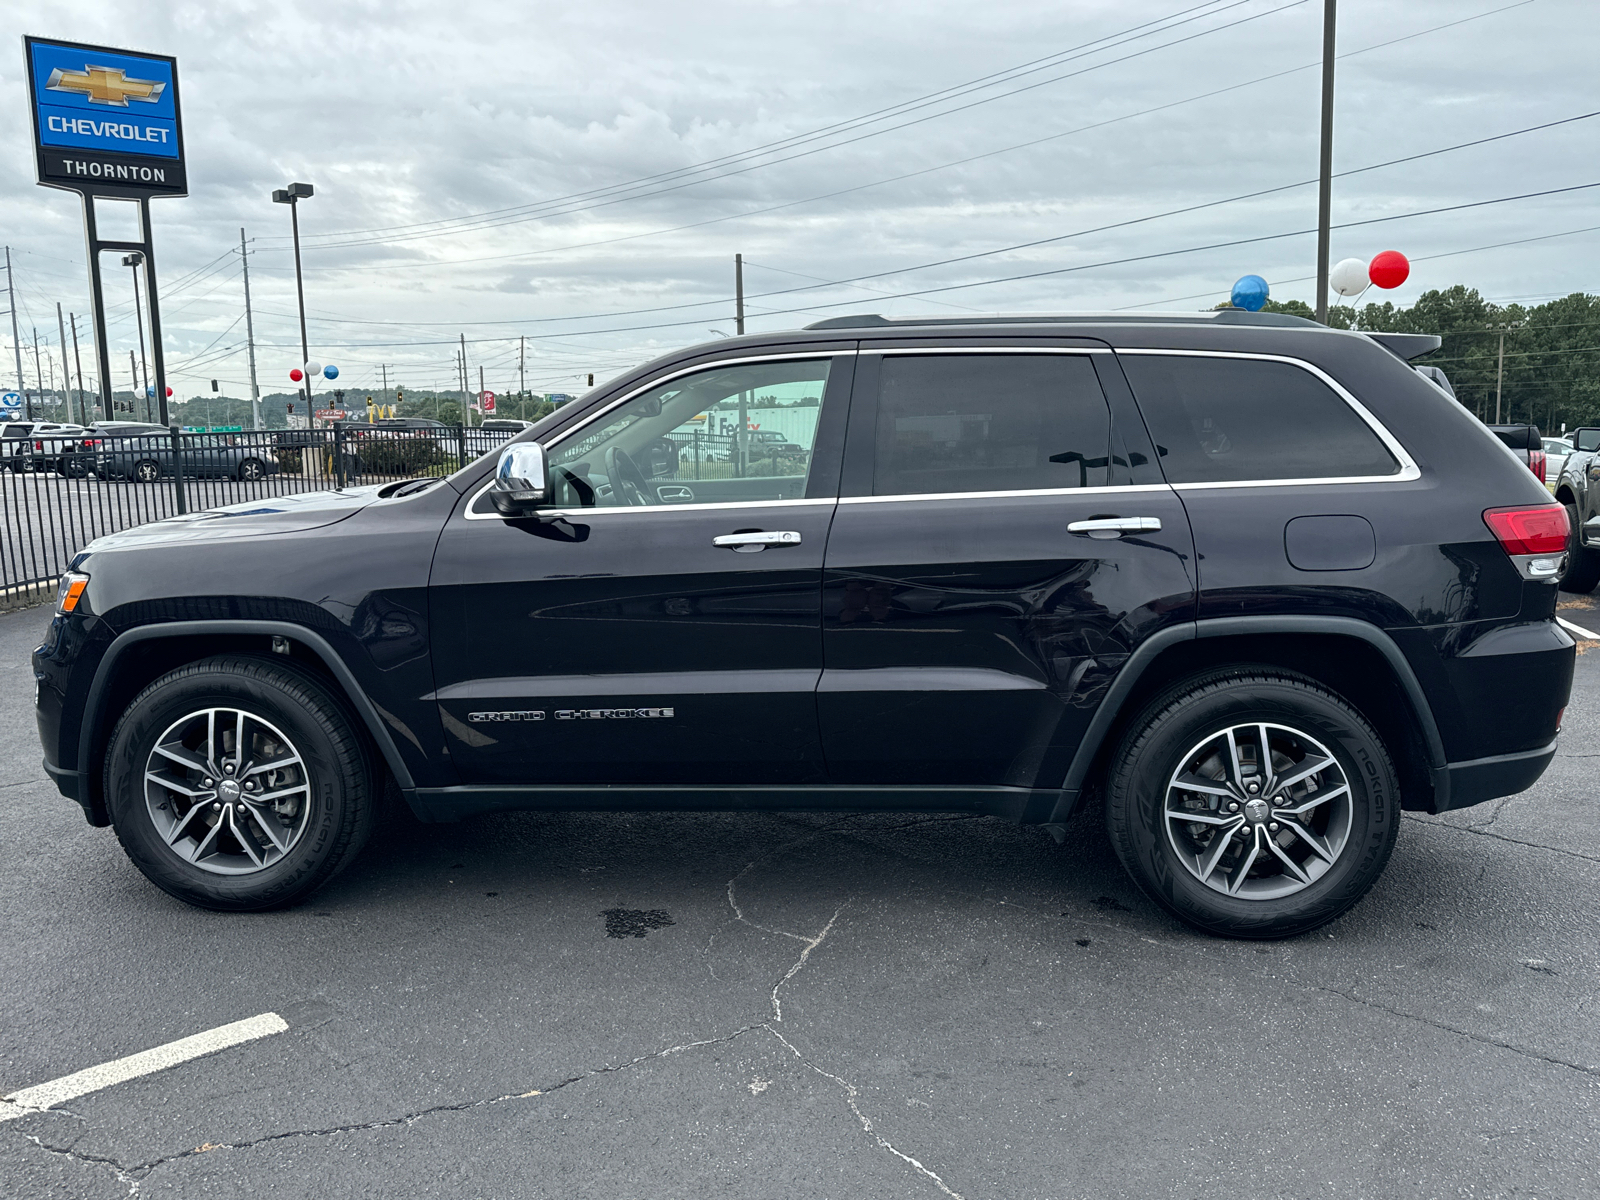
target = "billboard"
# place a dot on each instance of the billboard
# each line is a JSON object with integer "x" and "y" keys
{"x": 105, "y": 121}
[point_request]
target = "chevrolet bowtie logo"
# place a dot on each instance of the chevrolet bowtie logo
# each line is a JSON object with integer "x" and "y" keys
{"x": 105, "y": 85}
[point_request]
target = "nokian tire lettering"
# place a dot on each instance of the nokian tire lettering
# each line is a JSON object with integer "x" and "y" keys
{"x": 1136, "y": 799}
{"x": 342, "y": 797}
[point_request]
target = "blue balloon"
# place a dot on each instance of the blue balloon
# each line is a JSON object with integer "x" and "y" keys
{"x": 1250, "y": 293}
{"x": 331, "y": 372}
{"x": 150, "y": 393}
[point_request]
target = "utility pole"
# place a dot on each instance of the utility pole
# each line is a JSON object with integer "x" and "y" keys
{"x": 466, "y": 408}
{"x": 83, "y": 404}
{"x": 250, "y": 335}
{"x": 133, "y": 260}
{"x": 384, "y": 367}
{"x": 1499, "y": 375}
{"x": 16, "y": 336}
{"x": 738, "y": 287}
{"x": 522, "y": 366}
{"x": 66, "y": 375}
{"x": 480, "y": 390}
{"x": 38, "y": 377}
{"x": 1325, "y": 181}
{"x": 133, "y": 369}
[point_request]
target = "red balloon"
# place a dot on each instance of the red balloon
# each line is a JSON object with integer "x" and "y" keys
{"x": 169, "y": 392}
{"x": 296, "y": 374}
{"x": 1388, "y": 269}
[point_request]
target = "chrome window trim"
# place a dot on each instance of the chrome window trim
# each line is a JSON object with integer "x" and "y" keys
{"x": 1409, "y": 471}
{"x": 1077, "y": 491}
{"x": 645, "y": 387}
{"x": 990, "y": 350}
{"x": 614, "y": 509}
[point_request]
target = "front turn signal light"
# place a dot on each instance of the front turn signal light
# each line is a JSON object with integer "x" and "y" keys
{"x": 70, "y": 592}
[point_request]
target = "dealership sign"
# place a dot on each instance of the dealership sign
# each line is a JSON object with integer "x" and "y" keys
{"x": 105, "y": 121}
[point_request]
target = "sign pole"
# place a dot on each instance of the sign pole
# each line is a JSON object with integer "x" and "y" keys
{"x": 97, "y": 308}
{"x": 155, "y": 308}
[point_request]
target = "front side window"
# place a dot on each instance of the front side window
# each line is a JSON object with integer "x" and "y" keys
{"x": 733, "y": 433}
{"x": 989, "y": 423}
{"x": 1224, "y": 420}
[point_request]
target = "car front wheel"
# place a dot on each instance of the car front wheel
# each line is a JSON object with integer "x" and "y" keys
{"x": 1253, "y": 803}
{"x": 251, "y": 469}
{"x": 145, "y": 471}
{"x": 239, "y": 784}
{"x": 1582, "y": 570}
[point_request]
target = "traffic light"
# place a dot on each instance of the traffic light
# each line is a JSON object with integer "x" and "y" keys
{"x": 214, "y": 386}
{"x": 591, "y": 378}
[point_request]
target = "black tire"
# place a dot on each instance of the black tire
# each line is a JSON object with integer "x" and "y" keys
{"x": 16, "y": 465}
{"x": 1583, "y": 562}
{"x": 342, "y": 790}
{"x": 251, "y": 469}
{"x": 146, "y": 470}
{"x": 1179, "y": 721}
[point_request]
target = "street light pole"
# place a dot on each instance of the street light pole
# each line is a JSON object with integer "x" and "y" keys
{"x": 1325, "y": 181}
{"x": 292, "y": 195}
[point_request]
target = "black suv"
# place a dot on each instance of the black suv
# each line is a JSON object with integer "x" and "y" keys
{"x": 1252, "y": 585}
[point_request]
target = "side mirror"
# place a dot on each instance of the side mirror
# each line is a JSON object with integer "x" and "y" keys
{"x": 521, "y": 481}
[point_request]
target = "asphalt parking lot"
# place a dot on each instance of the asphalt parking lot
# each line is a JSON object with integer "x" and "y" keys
{"x": 653, "y": 1006}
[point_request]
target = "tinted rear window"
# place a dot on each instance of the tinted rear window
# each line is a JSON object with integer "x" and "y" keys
{"x": 1220, "y": 420}
{"x": 989, "y": 423}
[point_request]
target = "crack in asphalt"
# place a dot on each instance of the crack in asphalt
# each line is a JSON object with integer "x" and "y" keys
{"x": 1484, "y": 831}
{"x": 134, "y": 1175}
{"x": 1481, "y": 1038}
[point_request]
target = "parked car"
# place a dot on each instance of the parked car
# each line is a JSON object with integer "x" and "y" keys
{"x": 505, "y": 425}
{"x": 1556, "y": 450}
{"x": 147, "y": 457}
{"x": 1578, "y": 490}
{"x": 40, "y": 447}
{"x": 1253, "y": 585}
{"x": 1526, "y": 443}
{"x": 16, "y": 445}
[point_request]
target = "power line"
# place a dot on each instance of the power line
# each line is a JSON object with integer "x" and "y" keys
{"x": 607, "y": 202}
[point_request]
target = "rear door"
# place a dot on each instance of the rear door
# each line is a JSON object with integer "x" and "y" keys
{"x": 660, "y": 624}
{"x": 1003, "y": 541}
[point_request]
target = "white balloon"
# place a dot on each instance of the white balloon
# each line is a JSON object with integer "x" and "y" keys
{"x": 1349, "y": 276}
{"x": 313, "y": 369}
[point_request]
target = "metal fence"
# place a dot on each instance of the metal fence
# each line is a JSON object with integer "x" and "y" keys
{"x": 57, "y": 494}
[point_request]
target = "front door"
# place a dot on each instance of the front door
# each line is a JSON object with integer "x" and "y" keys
{"x": 660, "y": 624}
{"x": 1003, "y": 541}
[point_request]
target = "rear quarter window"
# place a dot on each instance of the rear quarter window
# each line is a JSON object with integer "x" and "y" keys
{"x": 1224, "y": 420}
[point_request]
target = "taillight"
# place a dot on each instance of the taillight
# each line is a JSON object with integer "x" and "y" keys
{"x": 1537, "y": 529}
{"x": 1536, "y": 463}
{"x": 38, "y": 446}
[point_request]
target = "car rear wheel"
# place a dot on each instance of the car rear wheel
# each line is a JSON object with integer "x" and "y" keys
{"x": 239, "y": 784}
{"x": 1253, "y": 803}
{"x": 146, "y": 470}
{"x": 251, "y": 469}
{"x": 1583, "y": 562}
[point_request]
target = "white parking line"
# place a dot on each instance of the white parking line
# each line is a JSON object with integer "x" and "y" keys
{"x": 147, "y": 1062}
{"x": 1577, "y": 629}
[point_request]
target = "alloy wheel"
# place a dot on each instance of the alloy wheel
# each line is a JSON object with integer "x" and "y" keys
{"x": 1258, "y": 811}
{"x": 227, "y": 792}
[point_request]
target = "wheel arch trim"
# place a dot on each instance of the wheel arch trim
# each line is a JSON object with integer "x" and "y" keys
{"x": 168, "y": 630}
{"x": 1145, "y": 654}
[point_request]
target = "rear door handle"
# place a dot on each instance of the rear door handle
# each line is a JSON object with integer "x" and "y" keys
{"x": 1114, "y": 527}
{"x": 747, "y": 543}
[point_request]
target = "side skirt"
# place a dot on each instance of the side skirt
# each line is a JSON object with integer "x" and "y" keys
{"x": 454, "y": 803}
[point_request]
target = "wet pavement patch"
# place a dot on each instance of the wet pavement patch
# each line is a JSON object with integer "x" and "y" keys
{"x": 635, "y": 922}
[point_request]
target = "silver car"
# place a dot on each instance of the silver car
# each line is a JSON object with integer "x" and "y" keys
{"x": 1555, "y": 454}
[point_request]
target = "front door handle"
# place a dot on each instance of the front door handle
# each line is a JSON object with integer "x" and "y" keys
{"x": 1102, "y": 528}
{"x": 748, "y": 543}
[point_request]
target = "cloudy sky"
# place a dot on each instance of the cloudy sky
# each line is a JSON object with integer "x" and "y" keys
{"x": 583, "y": 174}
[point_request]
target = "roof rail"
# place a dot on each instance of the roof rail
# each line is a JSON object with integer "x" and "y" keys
{"x": 1225, "y": 316}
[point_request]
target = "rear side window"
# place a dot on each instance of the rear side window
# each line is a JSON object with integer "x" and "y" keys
{"x": 989, "y": 423}
{"x": 1222, "y": 420}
